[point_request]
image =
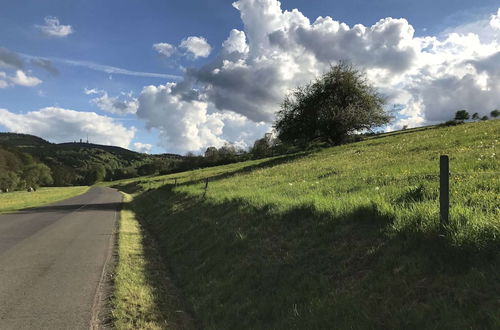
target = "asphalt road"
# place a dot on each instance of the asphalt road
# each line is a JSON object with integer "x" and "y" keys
{"x": 52, "y": 260}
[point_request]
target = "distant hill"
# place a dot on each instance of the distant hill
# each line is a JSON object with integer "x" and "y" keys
{"x": 75, "y": 163}
{"x": 21, "y": 140}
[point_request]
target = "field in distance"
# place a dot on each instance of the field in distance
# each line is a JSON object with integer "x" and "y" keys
{"x": 18, "y": 200}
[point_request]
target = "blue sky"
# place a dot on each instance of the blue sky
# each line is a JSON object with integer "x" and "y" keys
{"x": 74, "y": 55}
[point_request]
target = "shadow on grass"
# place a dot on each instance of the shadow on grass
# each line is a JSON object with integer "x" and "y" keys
{"x": 171, "y": 309}
{"x": 240, "y": 266}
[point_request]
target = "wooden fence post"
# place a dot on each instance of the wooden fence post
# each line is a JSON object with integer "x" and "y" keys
{"x": 206, "y": 188}
{"x": 444, "y": 191}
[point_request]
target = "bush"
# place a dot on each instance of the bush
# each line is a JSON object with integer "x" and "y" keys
{"x": 452, "y": 123}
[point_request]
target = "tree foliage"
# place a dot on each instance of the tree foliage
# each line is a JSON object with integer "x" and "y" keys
{"x": 495, "y": 113}
{"x": 96, "y": 174}
{"x": 462, "y": 115}
{"x": 332, "y": 107}
{"x": 36, "y": 175}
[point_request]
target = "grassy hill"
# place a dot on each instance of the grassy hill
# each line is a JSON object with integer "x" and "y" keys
{"x": 346, "y": 237}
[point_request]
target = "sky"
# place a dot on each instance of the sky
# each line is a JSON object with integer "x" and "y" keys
{"x": 162, "y": 76}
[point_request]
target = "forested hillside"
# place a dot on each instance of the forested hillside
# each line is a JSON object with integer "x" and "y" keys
{"x": 68, "y": 164}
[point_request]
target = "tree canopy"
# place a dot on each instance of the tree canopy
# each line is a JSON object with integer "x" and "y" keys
{"x": 335, "y": 105}
{"x": 462, "y": 115}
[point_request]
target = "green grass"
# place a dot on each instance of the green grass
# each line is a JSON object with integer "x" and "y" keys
{"x": 144, "y": 297}
{"x": 18, "y": 200}
{"x": 346, "y": 237}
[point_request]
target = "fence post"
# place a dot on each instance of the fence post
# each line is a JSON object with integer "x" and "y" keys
{"x": 444, "y": 191}
{"x": 175, "y": 182}
{"x": 206, "y": 188}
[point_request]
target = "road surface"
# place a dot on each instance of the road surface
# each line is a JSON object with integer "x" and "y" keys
{"x": 52, "y": 260}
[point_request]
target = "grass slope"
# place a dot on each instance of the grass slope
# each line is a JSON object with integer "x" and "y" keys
{"x": 18, "y": 200}
{"x": 346, "y": 237}
{"x": 144, "y": 297}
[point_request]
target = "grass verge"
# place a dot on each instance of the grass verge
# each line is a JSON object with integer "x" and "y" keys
{"x": 18, "y": 200}
{"x": 144, "y": 297}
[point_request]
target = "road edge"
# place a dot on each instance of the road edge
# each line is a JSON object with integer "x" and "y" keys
{"x": 101, "y": 312}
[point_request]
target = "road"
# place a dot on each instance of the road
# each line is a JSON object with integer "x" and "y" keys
{"x": 52, "y": 260}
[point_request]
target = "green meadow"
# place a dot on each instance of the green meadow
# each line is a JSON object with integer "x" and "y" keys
{"x": 342, "y": 237}
{"x": 18, "y": 200}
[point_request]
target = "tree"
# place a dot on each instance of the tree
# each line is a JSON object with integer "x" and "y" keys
{"x": 63, "y": 176}
{"x": 484, "y": 118}
{"x": 36, "y": 175}
{"x": 332, "y": 107}
{"x": 95, "y": 174}
{"x": 461, "y": 115}
{"x": 212, "y": 154}
{"x": 264, "y": 147}
{"x": 475, "y": 116}
{"x": 8, "y": 180}
{"x": 495, "y": 113}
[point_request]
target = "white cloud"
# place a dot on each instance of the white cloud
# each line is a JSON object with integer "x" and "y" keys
{"x": 124, "y": 105}
{"x": 20, "y": 78}
{"x": 197, "y": 46}
{"x": 236, "y": 42}
{"x": 90, "y": 91}
{"x": 63, "y": 125}
{"x": 24, "y": 80}
{"x": 142, "y": 147}
{"x": 164, "y": 49}
{"x": 495, "y": 21}
{"x": 190, "y": 125}
{"x": 53, "y": 28}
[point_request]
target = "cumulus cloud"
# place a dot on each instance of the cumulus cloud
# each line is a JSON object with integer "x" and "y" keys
{"x": 196, "y": 46}
{"x": 63, "y": 125}
{"x": 164, "y": 49}
{"x": 142, "y": 147}
{"x": 236, "y": 42}
{"x": 53, "y": 28}
{"x": 46, "y": 65}
{"x": 190, "y": 125}
{"x": 124, "y": 105}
